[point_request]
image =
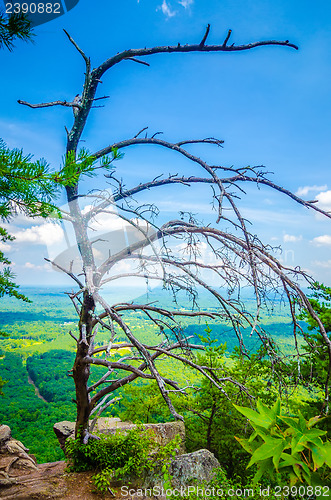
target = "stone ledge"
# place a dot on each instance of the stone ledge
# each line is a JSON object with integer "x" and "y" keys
{"x": 163, "y": 432}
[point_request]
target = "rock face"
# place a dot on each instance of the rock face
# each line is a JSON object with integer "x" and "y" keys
{"x": 63, "y": 431}
{"x": 5, "y": 434}
{"x": 22, "y": 479}
{"x": 13, "y": 456}
{"x": 193, "y": 467}
{"x": 163, "y": 432}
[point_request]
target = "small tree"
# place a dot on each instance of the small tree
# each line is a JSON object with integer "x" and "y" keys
{"x": 239, "y": 256}
{"x": 315, "y": 367}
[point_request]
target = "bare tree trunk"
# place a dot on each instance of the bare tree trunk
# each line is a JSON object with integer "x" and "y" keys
{"x": 81, "y": 369}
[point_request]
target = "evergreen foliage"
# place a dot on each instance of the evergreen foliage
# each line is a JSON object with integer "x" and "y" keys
{"x": 12, "y": 28}
{"x": 31, "y": 187}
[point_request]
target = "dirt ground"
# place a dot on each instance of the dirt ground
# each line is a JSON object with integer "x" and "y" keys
{"x": 51, "y": 481}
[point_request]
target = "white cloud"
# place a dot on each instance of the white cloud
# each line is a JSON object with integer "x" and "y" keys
{"x": 304, "y": 190}
{"x": 45, "y": 267}
{"x": 4, "y": 247}
{"x": 167, "y": 10}
{"x": 47, "y": 234}
{"x": 324, "y": 200}
{"x": 290, "y": 238}
{"x": 325, "y": 239}
{"x": 28, "y": 265}
{"x": 107, "y": 222}
{"x": 326, "y": 264}
{"x": 186, "y": 3}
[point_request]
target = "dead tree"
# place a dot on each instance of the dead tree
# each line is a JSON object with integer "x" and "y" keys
{"x": 239, "y": 256}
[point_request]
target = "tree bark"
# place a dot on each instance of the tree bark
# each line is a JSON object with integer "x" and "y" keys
{"x": 81, "y": 369}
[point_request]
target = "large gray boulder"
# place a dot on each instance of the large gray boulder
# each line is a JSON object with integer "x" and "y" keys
{"x": 193, "y": 467}
{"x": 63, "y": 431}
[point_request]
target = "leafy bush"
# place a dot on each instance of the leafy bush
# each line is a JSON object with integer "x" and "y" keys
{"x": 222, "y": 488}
{"x": 284, "y": 446}
{"x": 120, "y": 456}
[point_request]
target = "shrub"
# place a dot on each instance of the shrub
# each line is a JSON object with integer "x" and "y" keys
{"x": 284, "y": 447}
{"x": 120, "y": 456}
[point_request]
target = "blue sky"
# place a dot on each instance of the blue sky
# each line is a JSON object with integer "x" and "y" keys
{"x": 270, "y": 105}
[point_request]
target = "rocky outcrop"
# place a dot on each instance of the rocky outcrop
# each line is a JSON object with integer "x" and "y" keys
{"x": 192, "y": 468}
{"x": 22, "y": 479}
{"x": 13, "y": 457}
{"x": 49, "y": 482}
{"x": 163, "y": 433}
{"x": 63, "y": 431}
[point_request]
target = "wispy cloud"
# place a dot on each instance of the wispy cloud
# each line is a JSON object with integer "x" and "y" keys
{"x": 326, "y": 264}
{"x": 290, "y": 238}
{"x": 186, "y": 3}
{"x": 304, "y": 190}
{"x": 166, "y": 9}
{"x": 45, "y": 267}
{"x": 323, "y": 240}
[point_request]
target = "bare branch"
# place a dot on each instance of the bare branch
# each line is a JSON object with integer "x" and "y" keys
{"x": 102, "y": 406}
{"x": 140, "y": 132}
{"x": 137, "y": 61}
{"x": 98, "y": 72}
{"x": 203, "y": 41}
{"x": 227, "y": 38}
{"x": 208, "y": 140}
{"x": 79, "y": 283}
{"x": 86, "y": 59}
{"x": 102, "y": 380}
{"x": 49, "y": 104}
{"x": 73, "y": 336}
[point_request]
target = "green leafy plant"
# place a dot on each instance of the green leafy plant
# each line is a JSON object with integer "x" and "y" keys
{"x": 102, "y": 479}
{"x": 164, "y": 456}
{"x": 83, "y": 163}
{"x": 284, "y": 445}
{"x": 121, "y": 456}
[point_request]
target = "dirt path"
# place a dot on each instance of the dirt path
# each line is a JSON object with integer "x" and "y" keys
{"x": 36, "y": 390}
{"x": 51, "y": 481}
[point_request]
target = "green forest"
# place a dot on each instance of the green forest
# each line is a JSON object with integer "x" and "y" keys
{"x": 37, "y": 355}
